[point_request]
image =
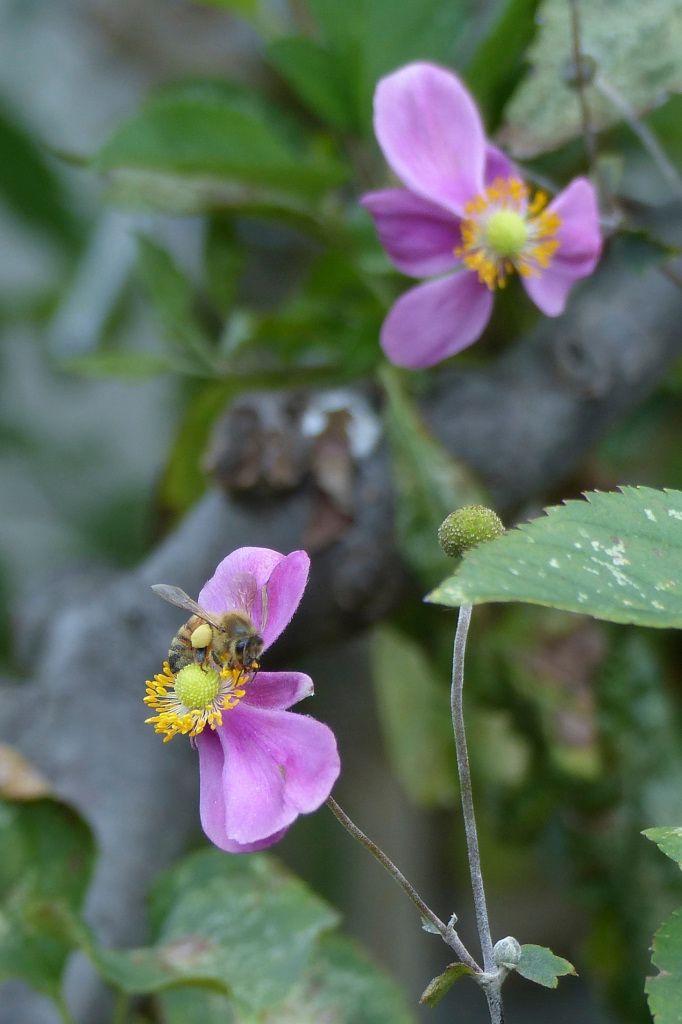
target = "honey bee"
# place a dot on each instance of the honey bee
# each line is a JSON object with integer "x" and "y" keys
{"x": 230, "y": 639}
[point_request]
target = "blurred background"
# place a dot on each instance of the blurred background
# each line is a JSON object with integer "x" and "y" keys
{"x": 190, "y": 301}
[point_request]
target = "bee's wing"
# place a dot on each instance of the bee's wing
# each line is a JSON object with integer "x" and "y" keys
{"x": 178, "y": 597}
{"x": 246, "y": 596}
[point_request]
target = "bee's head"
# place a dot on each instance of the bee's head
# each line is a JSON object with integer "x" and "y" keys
{"x": 249, "y": 648}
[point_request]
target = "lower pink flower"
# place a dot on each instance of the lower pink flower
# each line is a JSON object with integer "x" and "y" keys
{"x": 260, "y": 764}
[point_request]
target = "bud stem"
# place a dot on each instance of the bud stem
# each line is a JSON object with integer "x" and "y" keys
{"x": 493, "y": 994}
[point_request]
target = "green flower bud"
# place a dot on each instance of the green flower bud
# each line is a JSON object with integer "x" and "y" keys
{"x": 507, "y": 953}
{"x": 467, "y": 527}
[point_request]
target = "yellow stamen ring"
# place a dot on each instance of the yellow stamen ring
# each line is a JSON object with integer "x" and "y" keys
{"x": 503, "y": 232}
{"x": 193, "y": 699}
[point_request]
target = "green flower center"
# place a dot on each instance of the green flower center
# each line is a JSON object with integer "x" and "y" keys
{"x": 506, "y": 232}
{"x": 197, "y": 687}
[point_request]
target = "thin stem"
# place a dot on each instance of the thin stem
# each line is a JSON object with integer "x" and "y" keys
{"x": 457, "y": 706}
{"x": 447, "y": 933}
{"x": 642, "y": 131}
{"x": 589, "y": 136}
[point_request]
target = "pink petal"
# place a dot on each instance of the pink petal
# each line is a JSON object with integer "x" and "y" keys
{"x": 260, "y": 770}
{"x": 435, "y": 320}
{"x": 579, "y": 247}
{"x": 211, "y": 801}
{"x": 431, "y": 134}
{"x": 283, "y": 576}
{"x": 419, "y": 237}
{"x": 498, "y": 165}
{"x": 278, "y": 689}
{"x": 285, "y": 590}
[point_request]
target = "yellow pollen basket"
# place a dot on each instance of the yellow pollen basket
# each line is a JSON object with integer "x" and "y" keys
{"x": 504, "y": 232}
{"x": 193, "y": 698}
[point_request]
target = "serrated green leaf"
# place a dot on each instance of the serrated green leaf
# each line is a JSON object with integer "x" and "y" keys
{"x": 616, "y": 556}
{"x": 664, "y": 992}
{"x": 47, "y": 857}
{"x": 436, "y": 989}
{"x": 241, "y": 925}
{"x": 668, "y": 840}
{"x": 208, "y": 131}
{"x": 635, "y": 46}
{"x": 540, "y": 965}
{"x": 341, "y": 986}
{"x": 429, "y": 483}
{"x": 418, "y": 732}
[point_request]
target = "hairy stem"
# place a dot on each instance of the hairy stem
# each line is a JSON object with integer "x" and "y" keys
{"x": 446, "y": 932}
{"x": 589, "y": 136}
{"x": 492, "y": 989}
{"x": 457, "y": 706}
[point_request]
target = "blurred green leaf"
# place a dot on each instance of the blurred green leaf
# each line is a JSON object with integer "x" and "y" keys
{"x": 340, "y": 986}
{"x": 415, "y": 717}
{"x": 47, "y": 857}
{"x": 369, "y": 38}
{"x": 245, "y": 8}
{"x": 540, "y": 965}
{"x": 664, "y": 992}
{"x": 616, "y": 556}
{"x": 429, "y": 483}
{"x": 635, "y": 47}
{"x": 241, "y": 925}
{"x": 184, "y": 480}
{"x": 668, "y": 840}
{"x": 30, "y": 186}
{"x": 436, "y": 989}
{"x": 638, "y": 250}
{"x": 314, "y": 74}
{"x": 223, "y": 262}
{"x": 119, "y": 363}
{"x": 203, "y": 129}
{"x": 498, "y": 64}
{"x": 173, "y": 299}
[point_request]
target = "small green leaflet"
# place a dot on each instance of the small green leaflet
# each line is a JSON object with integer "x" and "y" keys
{"x": 540, "y": 965}
{"x": 616, "y": 556}
{"x": 668, "y": 840}
{"x": 438, "y": 987}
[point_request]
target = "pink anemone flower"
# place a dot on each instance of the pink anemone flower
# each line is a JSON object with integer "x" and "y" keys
{"x": 260, "y": 765}
{"x": 464, "y": 208}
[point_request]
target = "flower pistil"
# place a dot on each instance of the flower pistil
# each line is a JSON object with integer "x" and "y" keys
{"x": 503, "y": 231}
{"x": 193, "y": 698}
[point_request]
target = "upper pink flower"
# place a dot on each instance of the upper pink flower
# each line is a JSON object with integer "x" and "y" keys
{"x": 465, "y": 208}
{"x": 260, "y": 765}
